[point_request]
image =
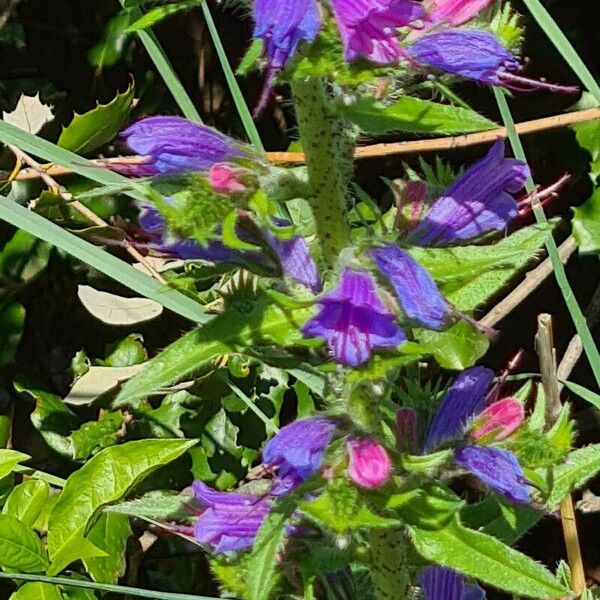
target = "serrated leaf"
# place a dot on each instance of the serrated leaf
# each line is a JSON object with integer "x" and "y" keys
{"x": 109, "y": 533}
{"x": 9, "y": 459}
{"x": 158, "y": 13}
{"x": 21, "y": 549}
{"x": 117, "y": 310}
{"x": 469, "y": 275}
{"x": 37, "y": 590}
{"x": 483, "y": 557}
{"x": 87, "y": 132}
{"x": 106, "y": 478}
{"x": 30, "y": 114}
{"x": 27, "y": 501}
{"x": 586, "y": 225}
{"x": 580, "y": 466}
{"x": 415, "y": 116}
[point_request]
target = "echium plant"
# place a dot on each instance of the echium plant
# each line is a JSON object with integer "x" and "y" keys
{"x": 361, "y": 494}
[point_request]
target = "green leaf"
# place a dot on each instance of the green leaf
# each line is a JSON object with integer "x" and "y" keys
{"x": 109, "y": 533}
{"x": 249, "y": 61}
{"x": 27, "y": 501}
{"x": 20, "y": 547}
{"x": 87, "y": 132}
{"x": 96, "y": 435}
{"x": 231, "y": 332}
{"x": 263, "y": 562}
{"x": 37, "y": 591}
{"x": 583, "y": 392}
{"x": 456, "y": 348}
{"x": 586, "y": 225}
{"x": 9, "y": 459}
{"x": 469, "y": 275}
{"x": 414, "y": 115}
{"x": 158, "y": 13}
{"x": 109, "y": 48}
{"x": 106, "y": 478}
{"x": 485, "y": 558}
{"x": 157, "y": 505}
{"x": 12, "y": 320}
{"x": 581, "y": 465}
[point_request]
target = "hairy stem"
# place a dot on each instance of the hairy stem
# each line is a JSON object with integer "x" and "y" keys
{"x": 391, "y": 578}
{"x": 323, "y": 143}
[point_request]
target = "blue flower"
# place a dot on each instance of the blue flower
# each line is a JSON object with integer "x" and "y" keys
{"x": 353, "y": 320}
{"x": 415, "y": 289}
{"x": 440, "y": 583}
{"x": 478, "y": 202}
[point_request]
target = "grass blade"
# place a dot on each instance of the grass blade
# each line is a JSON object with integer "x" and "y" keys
{"x": 564, "y": 46}
{"x": 165, "y": 68}
{"x": 106, "y": 263}
{"x": 575, "y": 311}
{"x": 121, "y": 590}
{"x": 234, "y": 87}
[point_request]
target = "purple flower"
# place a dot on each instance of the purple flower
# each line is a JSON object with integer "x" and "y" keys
{"x": 282, "y": 25}
{"x": 466, "y": 396}
{"x": 455, "y": 12}
{"x": 478, "y": 202}
{"x": 368, "y": 27}
{"x": 230, "y": 521}
{"x": 176, "y": 145}
{"x": 476, "y": 55}
{"x": 498, "y": 468}
{"x": 299, "y": 449}
{"x": 416, "y": 291}
{"x": 353, "y": 320}
{"x": 440, "y": 583}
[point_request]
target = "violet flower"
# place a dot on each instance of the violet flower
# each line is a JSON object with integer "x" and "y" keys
{"x": 230, "y": 520}
{"x": 298, "y": 449}
{"x": 369, "y": 464}
{"x": 496, "y": 467}
{"x": 478, "y": 202}
{"x": 415, "y": 289}
{"x": 175, "y": 145}
{"x": 368, "y": 27}
{"x": 353, "y": 320}
{"x": 440, "y": 583}
{"x": 477, "y": 55}
{"x": 466, "y": 397}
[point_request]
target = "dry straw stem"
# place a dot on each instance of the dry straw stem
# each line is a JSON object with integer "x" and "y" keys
{"x": 83, "y": 210}
{"x": 547, "y": 356}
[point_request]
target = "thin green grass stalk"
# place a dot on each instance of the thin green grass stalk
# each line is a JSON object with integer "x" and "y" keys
{"x": 165, "y": 68}
{"x": 122, "y": 590}
{"x": 575, "y": 311}
{"x": 110, "y": 265}
{"x": 234, "y": 88}
{"x": 564, "y": 46}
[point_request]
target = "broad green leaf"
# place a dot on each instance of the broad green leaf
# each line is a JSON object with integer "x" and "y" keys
{"x": 231, "y": 332}
{"x": 96, "y": 435}
{"x": 106, "y": 478}
{"x": 156, "y": 505}
{"x": 27, "y": 501}
{"x": 483, "y": 557}
{"x": 414, "y": 115}
{"x": 157, "y": 14}
{"x": 469, "y": 275}
{"x": 456, "y": 348}
{"x": 20, "y": 548}
{"x": 263, "y": 562}
{"x": 9, "y": 459}
{"x": 109, "y": 533}
{"x": 87, "y": 132}
{"x": 586, "y": 225}
{"x": 581, "y": 465}
{"x": 37, "y": 591}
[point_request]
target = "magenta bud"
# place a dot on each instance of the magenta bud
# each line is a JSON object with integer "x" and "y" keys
{"x": 224, "y": 179}
{"x": 499, "y": 420}
{"x": 370, "y": 465}
{"x": 406, "y": 430}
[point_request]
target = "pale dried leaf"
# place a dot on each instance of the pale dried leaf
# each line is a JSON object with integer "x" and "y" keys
{"x": 117, "y": 310}
{"x": 30, "y": 115}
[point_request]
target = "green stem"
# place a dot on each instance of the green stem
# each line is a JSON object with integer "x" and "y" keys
{"x": 391, "y": 578}
{"x": 324, "y": 144}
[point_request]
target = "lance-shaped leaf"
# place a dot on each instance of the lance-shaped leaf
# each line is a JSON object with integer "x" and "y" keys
{"x": 20, "y": 547}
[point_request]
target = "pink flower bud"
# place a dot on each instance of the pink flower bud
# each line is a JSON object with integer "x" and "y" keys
{"x": 499, "y": 420}
{"x": 455, "y": 12}
{"x": 223, "y": 179}
{"x": 370, "y": 466}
